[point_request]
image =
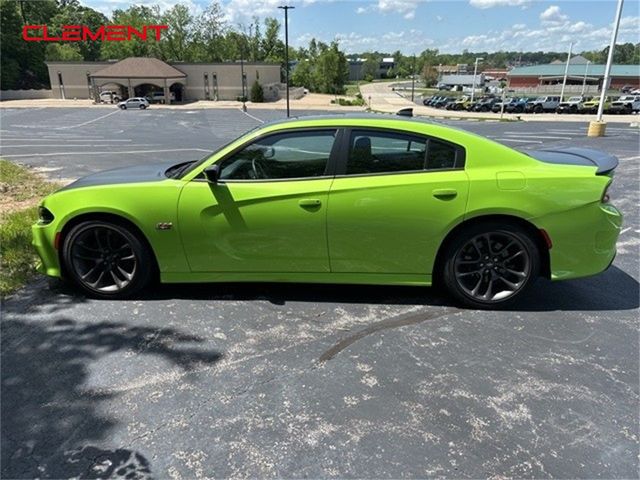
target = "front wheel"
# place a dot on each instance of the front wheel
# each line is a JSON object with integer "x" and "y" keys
{"x": 142, "y": 107}
{"x": 107, "y": 260}
{"x": 490, "y": 265}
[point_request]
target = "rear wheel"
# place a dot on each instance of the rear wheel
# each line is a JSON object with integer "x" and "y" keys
{"x": 107, "y": 260}
{"x": 142, "y": 107}
{"x": 123, "y": 107}
{"x": 538, "y": 109}
{"x": 490, "y": 265}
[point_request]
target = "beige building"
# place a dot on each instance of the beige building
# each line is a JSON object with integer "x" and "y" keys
{"x": 141, "y": 76}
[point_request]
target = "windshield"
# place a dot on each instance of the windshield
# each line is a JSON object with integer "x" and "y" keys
{"x": 192, "y": 166}
{"x": 574, "y": 99}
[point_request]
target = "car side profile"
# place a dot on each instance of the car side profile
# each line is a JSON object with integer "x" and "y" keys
{"x": 371, "y": 199}
{"x": 134, "y": 102}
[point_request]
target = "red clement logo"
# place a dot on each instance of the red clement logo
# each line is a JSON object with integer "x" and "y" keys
{"x": 80, "y": 33}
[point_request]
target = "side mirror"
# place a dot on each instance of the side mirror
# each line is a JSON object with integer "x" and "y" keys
{"x": 212, "y": 173}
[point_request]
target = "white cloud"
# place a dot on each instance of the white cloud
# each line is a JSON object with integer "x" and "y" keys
{"x": 553, "y": 15}
{"x": 361, "y": 10}
{"x": 406, "y": 8}
{"x": 408, "y": 41}
{"x": 497, "y": 3}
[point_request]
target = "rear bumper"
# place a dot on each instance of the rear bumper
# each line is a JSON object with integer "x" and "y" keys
{"x": 43, "y": 242}
{"x": 584, "y": 240}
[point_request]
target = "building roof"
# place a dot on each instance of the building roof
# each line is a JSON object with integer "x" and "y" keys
{"x": 139, "y": 67}
{"x": 574, "y": 69}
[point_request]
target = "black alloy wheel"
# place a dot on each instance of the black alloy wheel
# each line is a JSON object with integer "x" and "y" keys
{"x": 107, "y": 260}
{"x": 490, "y": 266}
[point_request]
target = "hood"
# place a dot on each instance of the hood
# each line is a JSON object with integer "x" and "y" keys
{"x": 137, "y": 174}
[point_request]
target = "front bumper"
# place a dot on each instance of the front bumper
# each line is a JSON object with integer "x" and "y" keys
{"x": 44, "y": 241}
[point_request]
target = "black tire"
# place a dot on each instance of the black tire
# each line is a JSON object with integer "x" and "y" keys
{"x": 142, "y": 107}
{"x": 519, "y": 109}
{"x": 510, "y": 270}
{"x": 123, "y": 107}
{"x": 538, "y": 109}
{"x": 107, "y": 260}
{"x": 573, "y": 109}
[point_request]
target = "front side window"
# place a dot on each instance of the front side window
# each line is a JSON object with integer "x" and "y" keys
{"x": 303, "y": 154}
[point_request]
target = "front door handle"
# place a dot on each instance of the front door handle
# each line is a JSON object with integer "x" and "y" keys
{"x": 445, "y": 193}
{"x": 309, "y": 202}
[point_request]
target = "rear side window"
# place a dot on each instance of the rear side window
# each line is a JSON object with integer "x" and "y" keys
{"x": 378, "y": 152}
{"x": 372, "y": 152}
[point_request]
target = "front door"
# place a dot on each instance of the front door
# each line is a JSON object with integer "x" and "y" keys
{"x": 395, "y": 197}
{"x": 267, "y": 213}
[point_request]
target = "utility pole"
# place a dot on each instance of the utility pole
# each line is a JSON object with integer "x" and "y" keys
{"x": 584, "y": 80}
{"x": 475, "y": 72}
{"x": 244, "y": 95}
{"x": 286, "y": 9}
{"x": 566, "y": 72}
{"x": 607, "y": 70}
{"x": 413, "y": 77}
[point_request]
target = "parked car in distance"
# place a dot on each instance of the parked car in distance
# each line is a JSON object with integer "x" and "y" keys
{"x": 572, "y": 104}
{"x": 591, "y": 106}
{"x": 519, "y": 106}
{"x": 134, "y": 102}
{"x": 443, "y": 102}
{"x": 507, "y": 101}
{"x": 543, "y": 104}
{"x": 461, "y": 103}
{"x": 109, "y": 96}
{"x": 158, "y": 97}
{"x": 484, "y": 104}
{"x": 367, "y": 199}
{"x": 625, "y": 104}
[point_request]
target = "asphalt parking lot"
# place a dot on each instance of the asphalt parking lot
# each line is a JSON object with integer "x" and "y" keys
{"x": 313, "y": 381}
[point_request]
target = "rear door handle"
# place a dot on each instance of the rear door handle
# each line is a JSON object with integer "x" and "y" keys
{"x": 445, "y": 193}
{"x": 309, "y": 202}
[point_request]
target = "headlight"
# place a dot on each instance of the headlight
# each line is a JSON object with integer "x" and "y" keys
{"x": 44, "y": 216}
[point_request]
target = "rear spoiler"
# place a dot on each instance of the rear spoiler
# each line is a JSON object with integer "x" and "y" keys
{"x": 604, "y": 162}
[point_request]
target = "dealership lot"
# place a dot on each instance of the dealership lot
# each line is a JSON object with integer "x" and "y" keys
{"x": 308, "y": 380}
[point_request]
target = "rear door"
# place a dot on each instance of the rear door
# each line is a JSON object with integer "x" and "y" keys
{"x": 394, "y": 198}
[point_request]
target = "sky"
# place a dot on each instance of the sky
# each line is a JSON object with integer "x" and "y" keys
{"x": 412, "y": 26}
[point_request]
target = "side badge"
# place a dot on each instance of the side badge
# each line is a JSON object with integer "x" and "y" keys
{"x": 164, "y": 226}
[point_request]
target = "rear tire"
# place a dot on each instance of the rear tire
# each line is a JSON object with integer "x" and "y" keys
{"x": 490, "y": 265}
{"x": 107, "y": 260}
{"x": 538, "y": 109}
{"x": 142, "y": 107}
{"x": 123, "y": 107}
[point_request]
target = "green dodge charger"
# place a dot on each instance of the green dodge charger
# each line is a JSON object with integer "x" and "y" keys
{"x": 367, "y": 199}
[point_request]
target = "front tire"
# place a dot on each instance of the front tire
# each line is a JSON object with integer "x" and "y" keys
{"x": 490, "y": 265}
{"x": 107, "y": 260}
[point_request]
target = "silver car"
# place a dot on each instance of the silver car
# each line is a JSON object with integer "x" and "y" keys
{"x": 134, "y": 102}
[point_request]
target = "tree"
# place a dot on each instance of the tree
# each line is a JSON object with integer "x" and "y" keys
{"x": 303, "y": 75}
{"x": 176, "y": 44}
{"x": 370, "y": 68}
{"x": 332, "y": 70}
{"x": 74, "y": 14}
{"x": 209, "y": 37}
{"x": 272, "y": 48}
{"x": 137, "y": 17}
{"x": 64, "y": 52}
{"x": 257, "y": 93}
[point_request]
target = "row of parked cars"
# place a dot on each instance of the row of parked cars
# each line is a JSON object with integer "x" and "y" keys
{"x": 624, "y": 104}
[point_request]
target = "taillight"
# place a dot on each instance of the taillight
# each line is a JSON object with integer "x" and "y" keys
{"x": 605, "y": 194}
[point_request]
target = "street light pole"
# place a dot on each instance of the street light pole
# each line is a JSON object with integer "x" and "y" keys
{"x": 286, "y": 9}
{"x": 584, "y": 80}
{"x": 413, "y": 77}
{"x": 566, "y": 72}
{"x": 607, "y": 70}
{"x": 475, "y": 72}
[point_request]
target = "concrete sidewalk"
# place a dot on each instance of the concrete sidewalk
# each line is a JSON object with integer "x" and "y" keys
{"x": 381, "y": 97}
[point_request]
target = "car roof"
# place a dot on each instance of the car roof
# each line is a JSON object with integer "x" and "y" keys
{"x": 356, "y": 118}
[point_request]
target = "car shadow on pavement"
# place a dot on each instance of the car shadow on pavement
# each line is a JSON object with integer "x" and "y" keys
{"x": 611, "y": 290}
{"x": 51, "y": 420}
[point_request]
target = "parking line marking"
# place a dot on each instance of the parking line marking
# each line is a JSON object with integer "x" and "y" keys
{"x": 516, "y": 140}
{"x": 107, "y": 153}
{"x": 625, "y": 230}
{"x": 88, "y": 122}
{"x": 251, "y": 116}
